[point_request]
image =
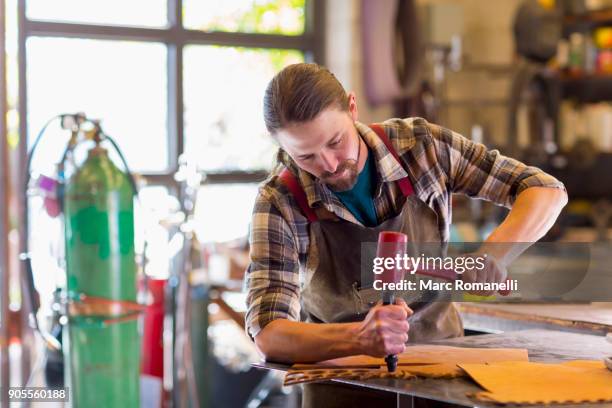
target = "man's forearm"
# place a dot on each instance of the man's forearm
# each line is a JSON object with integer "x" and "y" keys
{"x": 288, "y": 341}
{"x": 534, "y": 212}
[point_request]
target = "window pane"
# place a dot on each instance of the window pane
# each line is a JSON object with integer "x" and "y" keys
{"x": 224, "y": 88}
{"x": 121, "y": 83}
{"x": 223, "y": 212}
{"x": 155, "y": 204}
{"x": 141, "y": 13}
{"x": 246, "y": 16}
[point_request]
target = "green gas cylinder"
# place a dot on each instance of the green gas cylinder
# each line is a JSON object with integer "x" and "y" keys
{"x": 102, "y": 358}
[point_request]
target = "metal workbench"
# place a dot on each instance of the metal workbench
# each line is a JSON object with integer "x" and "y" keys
{"x": 587, "y": 318}
{"x": 543, "y": 346}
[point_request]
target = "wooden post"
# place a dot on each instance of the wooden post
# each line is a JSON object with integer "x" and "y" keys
{"x": 4, "y": 218}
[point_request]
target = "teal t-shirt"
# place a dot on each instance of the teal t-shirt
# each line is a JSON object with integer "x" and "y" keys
{"x": 360, "y": 199}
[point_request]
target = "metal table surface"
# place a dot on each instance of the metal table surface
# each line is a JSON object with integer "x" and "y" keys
{"x": 543, "y": 346}
{"x": 589, "y": 318}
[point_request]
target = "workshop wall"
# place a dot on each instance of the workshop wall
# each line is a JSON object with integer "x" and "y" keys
{"x": 487, "y": 42}
{"x": 344, "y": 55}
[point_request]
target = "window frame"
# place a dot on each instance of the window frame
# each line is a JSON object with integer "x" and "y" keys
{"x": 175, "y": 37}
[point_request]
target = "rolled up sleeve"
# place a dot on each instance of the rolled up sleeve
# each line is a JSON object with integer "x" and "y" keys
{"x": 477, "y": 172}
{"x": 272, "y": 278}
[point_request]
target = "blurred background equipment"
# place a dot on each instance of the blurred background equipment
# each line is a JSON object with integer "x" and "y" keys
{"x": 392, "y": 49}
{"x": 559, "y": 115}
{"x": 97, "y": 307}
{"x": 103, "y": 343}
{"x": 537, "y": 30}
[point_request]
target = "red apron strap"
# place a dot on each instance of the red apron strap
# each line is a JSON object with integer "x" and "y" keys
{"x": 404, "y": 184}
{"x": 291, "y": 182}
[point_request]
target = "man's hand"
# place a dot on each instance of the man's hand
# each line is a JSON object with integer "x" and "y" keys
{"x": 384, "y": 330}
{"x": 494, "y": 271}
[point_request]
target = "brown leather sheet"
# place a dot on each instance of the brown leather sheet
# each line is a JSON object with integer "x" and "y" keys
{"x": 444, "y": 370}
{"x": 306, "y": 376}
{"x": 403, "y": 372}
{"x": 520, "y": 382}
{"x": 429, "y": 361}
{"x": 424, "y": 355}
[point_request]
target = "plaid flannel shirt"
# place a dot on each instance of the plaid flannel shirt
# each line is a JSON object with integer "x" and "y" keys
{"x": 437, "y": 161}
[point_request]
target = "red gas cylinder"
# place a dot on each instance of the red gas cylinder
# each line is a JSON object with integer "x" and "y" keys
{"x": 152, "y": 344}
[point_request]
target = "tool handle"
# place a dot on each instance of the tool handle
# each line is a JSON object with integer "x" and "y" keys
{"x": 388, "y": 298}
{"x": 391, "y": 359}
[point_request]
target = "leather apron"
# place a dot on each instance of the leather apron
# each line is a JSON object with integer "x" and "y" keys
{"x": 332, "y": 288}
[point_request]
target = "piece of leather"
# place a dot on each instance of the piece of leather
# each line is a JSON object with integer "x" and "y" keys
{"x": 405, "y": 372}
{"x": 584, "y": 363}
{"x": 444, "y": 370}
{"x": 426, "y": 354}
{"x": 520, "y": 382}
{"x": 306, "y": 376}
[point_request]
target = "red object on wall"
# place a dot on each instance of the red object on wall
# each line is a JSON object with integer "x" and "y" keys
{"x": 152, "y": 344}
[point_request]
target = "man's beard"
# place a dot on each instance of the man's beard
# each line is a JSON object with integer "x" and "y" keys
{"x": 345, "y": 183}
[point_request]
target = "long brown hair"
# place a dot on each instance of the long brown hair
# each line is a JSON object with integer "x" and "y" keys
{"x": 299, "y": 93}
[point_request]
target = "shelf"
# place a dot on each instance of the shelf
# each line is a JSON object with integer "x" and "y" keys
{"x": 593, "y": 17}
{"x": 584, "y": 77}
{"x": 590, "y": 183}
{"x": 587, "y": 88}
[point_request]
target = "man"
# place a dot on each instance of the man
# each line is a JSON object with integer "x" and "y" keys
{"x": 338, "y": 183}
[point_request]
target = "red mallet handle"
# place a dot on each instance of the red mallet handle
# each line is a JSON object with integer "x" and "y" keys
{"x": 391, "y": 244}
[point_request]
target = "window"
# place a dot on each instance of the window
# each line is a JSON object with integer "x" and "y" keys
{"x": 237, "y": 199}
{"x": 224, "y": 129}
{"x": 143, "y": 13}
{"x": 185, "y": 74}
{"x": 121, "y": 82}
{"x": 247, "y": 16}
{"x": 165, "y": 77}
